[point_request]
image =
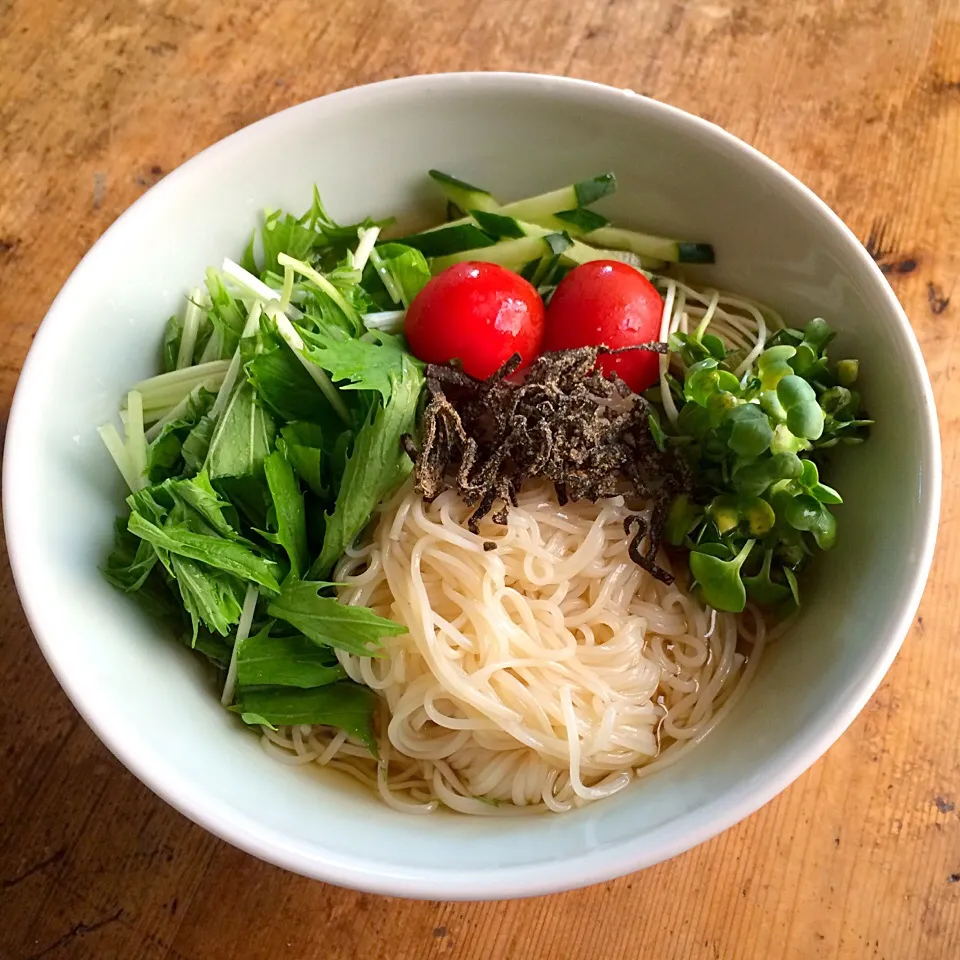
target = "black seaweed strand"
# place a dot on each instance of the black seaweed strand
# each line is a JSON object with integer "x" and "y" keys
{"x": 566, "y": 422}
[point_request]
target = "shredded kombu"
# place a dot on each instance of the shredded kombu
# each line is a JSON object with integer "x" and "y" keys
{"x": 564, "y": 421}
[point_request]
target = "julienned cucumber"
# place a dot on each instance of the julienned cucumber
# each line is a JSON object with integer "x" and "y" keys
{"x": 503, "y": 227}
{"x": 581, "y": 221}
{"x": 496, "y": 233}
{"x": 661, "y": 248}
{"x": 464, "y": 195}
{"x": 560, "y": 210}
{"x": 450, "y": 238}
{"x": 542, "y": 209}
{"x": 512, "y": 254}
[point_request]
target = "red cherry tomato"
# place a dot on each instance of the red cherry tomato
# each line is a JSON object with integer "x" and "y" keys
{"x": 610, "y": 303}
{"x": 479, "y": 313}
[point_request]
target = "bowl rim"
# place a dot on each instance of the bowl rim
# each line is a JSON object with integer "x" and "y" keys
{"x": 595, "y": 866}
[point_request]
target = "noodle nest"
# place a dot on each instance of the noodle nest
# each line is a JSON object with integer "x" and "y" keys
{"x": 542, "y": 668}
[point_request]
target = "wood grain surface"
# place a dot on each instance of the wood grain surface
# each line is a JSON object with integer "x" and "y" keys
{"x": 861, "y": 100}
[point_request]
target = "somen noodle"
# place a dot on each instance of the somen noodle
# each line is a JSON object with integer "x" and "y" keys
{"x": 544, "y": 672}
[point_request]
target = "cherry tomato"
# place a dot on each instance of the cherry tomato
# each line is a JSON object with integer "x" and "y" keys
{"x": 479, "y": 313}
{"x": 610, "y": 303}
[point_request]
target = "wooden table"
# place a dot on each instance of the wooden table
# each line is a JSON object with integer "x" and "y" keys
{"x": 861, "y": 100}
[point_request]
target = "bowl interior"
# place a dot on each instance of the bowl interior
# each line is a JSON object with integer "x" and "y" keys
{"x": 368, "y": 151}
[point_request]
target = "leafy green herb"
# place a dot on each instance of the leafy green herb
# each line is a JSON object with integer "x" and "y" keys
{"x": 750, "y": 431}
{"x": 326, "y": 621}
{"x": 303, "y": 446}
{"x": 284, "y": 233}
{"x": 282, "y": 384}
{"x": 374, "y": 468}
{"x": 753, "y": 478}
{"x": 171, "y": 342}
{"x": 291, "y": 468}
{"x": 164, "y": 453}
{"x": 805, "y": 513}
{"x": 406, "y": 267}
{"x": 348, "y": 706}
{"x": 847, "y": 372}
{"x": 288, "y": 509}
{"x": 804, "y": 415}
{"x": 773, "y": 365}
{"x": 209, "y": 596}
{"x": 131, "y": 560}
{"x": 656, "y": 431}
{"x": 243, "y": 436}
{"x": 285, "y": 661}
{"x": 749, "y": 441}
{"x": 369, "y": 364}
{"x": 227, "y": 315}
{"x": 197, "y": 444}
{"x": 682, "y": 518}
{"x": 810, "y": 481}
{"x": 225, "y": 555}
{"x": 251, "y": 498}
{"x": 762, "y": 588}
{"x": 748, "y": 515}
{"x": 215, "y": 648}
{"x": 720, "y": 579}
{"x": 198, "y": 494}
{"x": 706, "y": 378}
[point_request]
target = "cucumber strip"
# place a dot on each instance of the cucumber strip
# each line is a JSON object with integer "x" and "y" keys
{"x": 644, "y": 264}
{"x": 695, "y": 252}
{"x": 558, "y": 242}
{"x": 450, "y": 238}
{"x": 583, "y": 253}
{"x": 511, "y": 230}
{"x": 512, "y": 254}
{"x": 560, "y": 210}
{"x": 575, "y": 250}
{"x": 581, "y": 221}
{"x": 499, "y": 226}
{"x": 545, "y": 205}
{"x": 577, "y": 222}
{"x": 592, "y": 190}
{"x": 660, "y": 248}
{"x": 530, "y": 270}
{"x": 464, "y": 195}
{"x": 544, "y": 270}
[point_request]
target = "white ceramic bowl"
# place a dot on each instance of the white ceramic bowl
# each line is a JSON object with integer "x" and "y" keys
{"x": 368, "y": 149}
